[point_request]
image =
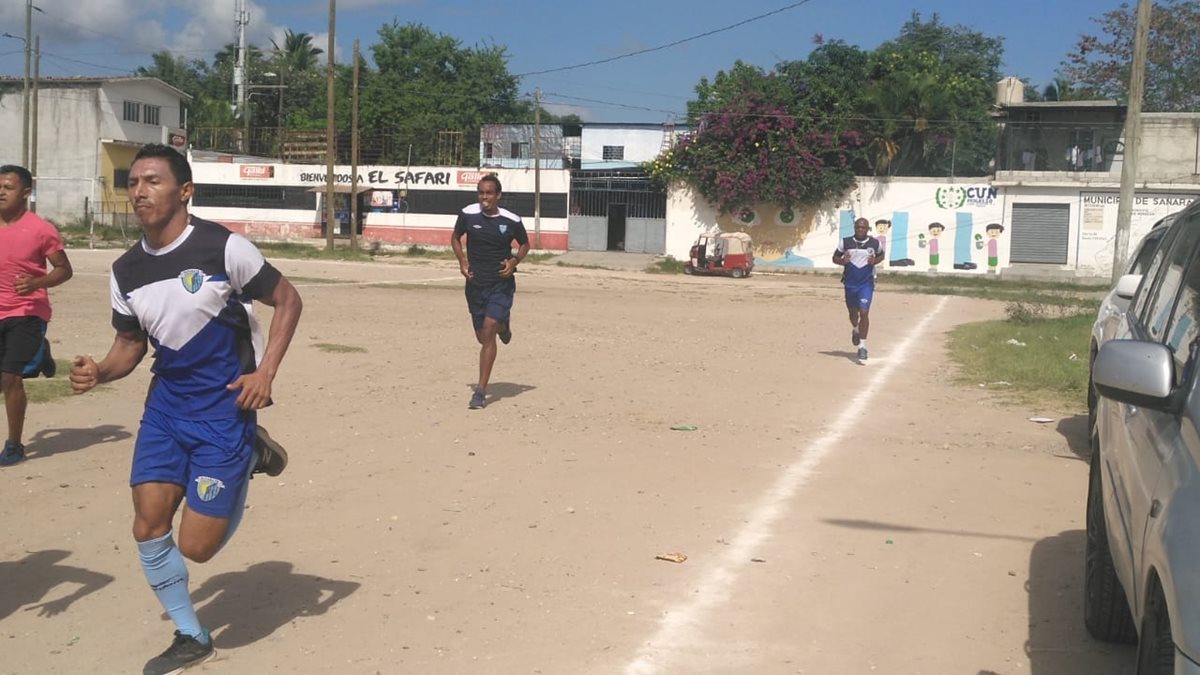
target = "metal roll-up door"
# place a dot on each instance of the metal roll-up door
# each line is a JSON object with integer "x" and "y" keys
{"x": 1040, "y": 232}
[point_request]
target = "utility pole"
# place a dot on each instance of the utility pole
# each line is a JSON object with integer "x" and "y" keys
{"x": 537, "y": 168}
{"x": 33, "y": 142}
{"x": 241, "y": 92}
{"x": 330, "y": 131}
{"x": 354, "y": 205}
{"x": 25, "y": 86}
{"x": 1133, "y": 139}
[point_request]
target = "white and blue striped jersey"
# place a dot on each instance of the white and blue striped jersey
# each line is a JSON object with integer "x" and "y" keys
{"x": 856, "y": 253}
{"x": 192, "y": 299}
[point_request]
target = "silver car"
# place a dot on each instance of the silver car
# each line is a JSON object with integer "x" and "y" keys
{"x": 1113, "y": 306}
{"x": 1143, "y": 507}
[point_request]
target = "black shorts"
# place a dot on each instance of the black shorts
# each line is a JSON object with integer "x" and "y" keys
{"x": 21, "y": 340}
{"x": 493, "y": 301}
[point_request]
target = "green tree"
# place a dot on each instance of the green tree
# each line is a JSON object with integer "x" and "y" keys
{"x": 929, "y": 98}
{"x": 1101, "y": 63}
{"x": 427, "y": 83}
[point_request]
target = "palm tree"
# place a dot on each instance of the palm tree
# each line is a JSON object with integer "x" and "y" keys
{"x": 297, "y": 55}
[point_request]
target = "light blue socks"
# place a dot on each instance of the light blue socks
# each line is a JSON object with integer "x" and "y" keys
{"x": 168, "y": 576}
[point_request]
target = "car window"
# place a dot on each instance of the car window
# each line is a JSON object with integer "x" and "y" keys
{"x": 1170, "y": 279}
{"x": 1141, "y": 260}
{"x": 1145, "y": 291}
{"x": 1184, "y": 329}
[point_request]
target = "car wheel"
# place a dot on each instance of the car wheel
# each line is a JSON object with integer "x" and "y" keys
{"x": 738, "y": 273}
{"x": 1105, "y": 609}
{"x": 1156, "y": 647}
{"x": 687, "y": 269}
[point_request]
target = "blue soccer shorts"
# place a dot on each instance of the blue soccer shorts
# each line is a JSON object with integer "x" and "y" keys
{"x": 859, "y": 297}
{"x": 493, "y": 301}
{"x": 210, "y": 459}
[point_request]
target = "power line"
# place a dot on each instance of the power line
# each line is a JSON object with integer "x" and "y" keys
{"x": 668, "y": 45}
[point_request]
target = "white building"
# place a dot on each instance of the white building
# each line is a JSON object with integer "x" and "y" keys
{"x": 88, "y": 130}
{"x": 620, "y": 145}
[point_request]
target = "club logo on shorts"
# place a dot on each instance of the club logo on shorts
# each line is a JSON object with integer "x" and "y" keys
{"x": 191, "y": 279}
{"x": 503, "y": 229}
{"x": 208, "y": 488}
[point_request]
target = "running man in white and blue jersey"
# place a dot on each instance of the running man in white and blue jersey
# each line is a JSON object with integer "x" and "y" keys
{"x": 858, "y": 255}
{"x": 187, "y": 289}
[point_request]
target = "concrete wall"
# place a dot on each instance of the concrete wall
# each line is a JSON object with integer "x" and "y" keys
{"x": 1170, "y": 149}
{"x": 641, "y": 144}
{"x": 806, "y": 239}
{"x": 431, "y": 229}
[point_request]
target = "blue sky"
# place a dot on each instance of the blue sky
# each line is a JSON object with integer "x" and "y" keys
{"x": 113, "y": 37}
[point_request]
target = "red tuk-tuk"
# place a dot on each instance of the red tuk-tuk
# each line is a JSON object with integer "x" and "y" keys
{"x": 730, "y": 253}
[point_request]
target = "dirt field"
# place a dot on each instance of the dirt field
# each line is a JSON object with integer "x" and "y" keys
{"x": 836, "y": 518}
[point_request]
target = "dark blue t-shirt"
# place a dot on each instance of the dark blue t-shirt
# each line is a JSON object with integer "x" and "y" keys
{"x": 489, "y": 240}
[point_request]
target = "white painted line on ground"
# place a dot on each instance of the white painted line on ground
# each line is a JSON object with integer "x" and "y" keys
{"x": 682, "y": 625}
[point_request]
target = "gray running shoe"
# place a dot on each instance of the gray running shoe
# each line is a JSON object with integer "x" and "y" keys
{"x": 854, "y": 338}
{"x": 478, "y": 400}
{"x": 269, "y": 456}
{"x": 862, "y": 354}
{"x": 185, "y": 652}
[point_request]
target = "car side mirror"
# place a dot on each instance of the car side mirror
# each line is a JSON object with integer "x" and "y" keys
{"x": 1127, "y": 285}
{"x": 1135, "y": 372}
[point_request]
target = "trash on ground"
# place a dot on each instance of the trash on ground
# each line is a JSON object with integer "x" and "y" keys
{"x": 1041, "y": 420}
{"x": 1015, "y": 342}
{"x": 684, "y": 427}
{"x": 671, "y": 557}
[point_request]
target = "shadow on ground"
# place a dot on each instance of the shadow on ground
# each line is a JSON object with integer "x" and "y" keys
{"x": 29, "y": 580}
{"x": 498, "y": 391}
{"x": 1058, "y": 642}
{"x": 49, "y": 442}
{"x": 849, "y": 356}
{"x": 1075, "y": 430}
{"x": 245, "y": 607}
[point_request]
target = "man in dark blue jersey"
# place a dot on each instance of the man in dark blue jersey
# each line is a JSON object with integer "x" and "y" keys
{"x": 859, "y": 254}
{"x": 187, "y": 288}
{"x": 488, "y": 265}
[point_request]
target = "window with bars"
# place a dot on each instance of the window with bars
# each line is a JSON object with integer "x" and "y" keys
{"x": 614, "y": 152}
{"x": 519, "y": 151}
{"x": 133, "y": 111}
{"x": 151, "y": 114}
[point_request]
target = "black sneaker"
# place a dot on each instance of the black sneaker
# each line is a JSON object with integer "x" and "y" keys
{"x": 854, "y": 337}
{"x": 13, "y": 453}
{"x": 185, "y": 652}
{"x": 505, "y": 332}
{"x": 49, "y": 367}
{"x": 478, "y": 400}
{"x": 269, "y": 456}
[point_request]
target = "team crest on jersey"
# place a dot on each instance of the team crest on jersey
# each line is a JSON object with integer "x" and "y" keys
{"x": 477, "y": 226}
{"x": 208, "y": 488}
{"x": 191, "y": 279}
{"x": 503, "y": 229}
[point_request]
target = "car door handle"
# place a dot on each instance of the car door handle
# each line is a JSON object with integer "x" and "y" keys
{"x": 1155, "y": 508}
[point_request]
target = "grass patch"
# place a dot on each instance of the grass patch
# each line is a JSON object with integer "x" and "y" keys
{"x": 339, "y": 349}
{"x": 42, "y": 390}
{"x": 1026, "y": 292}
{"x": 1048, "y": 366}
{"x": 667, "y": 265}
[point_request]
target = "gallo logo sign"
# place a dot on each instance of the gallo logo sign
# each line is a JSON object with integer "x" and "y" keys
{"x": 956, "y": 197}
{"x": 472, "y": 177}
{"x": 256, "y": 171}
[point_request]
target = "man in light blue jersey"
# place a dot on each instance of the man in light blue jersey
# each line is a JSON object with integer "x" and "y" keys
{"x": 187, "y": 288}
{"x": 858, "y": 255}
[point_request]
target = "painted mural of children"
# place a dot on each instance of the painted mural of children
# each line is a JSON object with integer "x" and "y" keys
{"x": 994, "y": 230}
{"x": 883, "y": 228}
{"x": 935, "y": 231}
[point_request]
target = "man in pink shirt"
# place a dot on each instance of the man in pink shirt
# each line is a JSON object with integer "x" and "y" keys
{"x": 27, "y": 243}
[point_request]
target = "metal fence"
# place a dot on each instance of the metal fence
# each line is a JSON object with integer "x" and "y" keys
{"x": 592, "y": 192}
{"x": 432, "y": 147}
{"x": 1077, "y": 147}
